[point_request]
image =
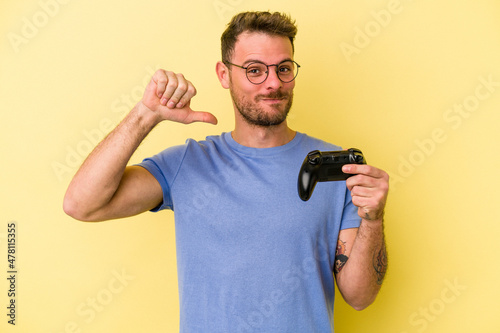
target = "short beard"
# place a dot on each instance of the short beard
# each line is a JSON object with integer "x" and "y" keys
{"x": 256, "y": 116}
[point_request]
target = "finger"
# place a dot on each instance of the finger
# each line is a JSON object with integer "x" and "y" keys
{"x": 186, "y": 115}
{"x": 182, "y": 94}
{"x": 201, "y": 116}
{"x": 362, "y": 191}
{"x": 159, "y": 79}
{"x": 371, "y": 207}
{"x": 186, "y": 98}
{"x": 364, "y": 169}
{"x": 361, "y": 202}
{"x": 361, "y": 180}
{"x": 374, "y": 195}
{"x": 169, "y": 89}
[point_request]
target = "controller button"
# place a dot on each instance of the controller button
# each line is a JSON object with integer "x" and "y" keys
{"x": 314, "y": 157}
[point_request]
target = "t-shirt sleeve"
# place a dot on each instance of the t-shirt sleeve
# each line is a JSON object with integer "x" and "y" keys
{"x": 350, "y": 217}
{"x": 164, "y": 167}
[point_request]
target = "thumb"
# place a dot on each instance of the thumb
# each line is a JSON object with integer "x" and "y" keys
{"x": 204, "y": 117}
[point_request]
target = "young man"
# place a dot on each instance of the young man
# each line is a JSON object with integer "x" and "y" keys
{"x": 252, "y": 257}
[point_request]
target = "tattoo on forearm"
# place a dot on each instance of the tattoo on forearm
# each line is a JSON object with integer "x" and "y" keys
{"x": 340, "y": 257}
{"x": 380, "y": 264}
{"x": 379, "y": 216}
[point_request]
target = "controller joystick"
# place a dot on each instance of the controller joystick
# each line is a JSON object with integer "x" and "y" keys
{"x": 325, "y": 166}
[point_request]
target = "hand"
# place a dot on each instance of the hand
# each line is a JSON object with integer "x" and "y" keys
{"x": 169, "y": 95}
{"x": 369, "y": 188}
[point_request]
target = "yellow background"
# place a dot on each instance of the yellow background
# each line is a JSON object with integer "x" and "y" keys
{"x": 75, "y": 72}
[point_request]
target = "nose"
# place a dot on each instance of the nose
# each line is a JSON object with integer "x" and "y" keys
{"x": 273, "y": 81}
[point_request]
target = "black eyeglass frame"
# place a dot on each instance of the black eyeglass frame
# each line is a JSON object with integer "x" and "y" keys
{"x": 267, "y": 70}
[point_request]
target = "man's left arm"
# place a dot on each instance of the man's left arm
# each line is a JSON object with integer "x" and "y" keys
{"x": 361, "y": 257}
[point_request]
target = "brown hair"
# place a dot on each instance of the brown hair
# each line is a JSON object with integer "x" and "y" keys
{"x": 269, "y": 23}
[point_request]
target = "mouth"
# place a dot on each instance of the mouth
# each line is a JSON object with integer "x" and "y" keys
{"x": 272, "y": 98}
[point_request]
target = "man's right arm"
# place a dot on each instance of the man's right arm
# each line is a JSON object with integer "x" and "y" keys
{"x": 105, "y": 187}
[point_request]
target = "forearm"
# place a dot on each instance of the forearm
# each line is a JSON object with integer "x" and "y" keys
{"x": 361, "y": 277}
{"x": 98, "y": 178}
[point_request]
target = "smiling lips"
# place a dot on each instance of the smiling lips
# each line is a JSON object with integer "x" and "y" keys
{"x": 276, "y": 97}
{"x": 272, "y": 100}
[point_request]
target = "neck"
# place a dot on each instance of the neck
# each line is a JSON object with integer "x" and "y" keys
{"x": 262, "y": 137}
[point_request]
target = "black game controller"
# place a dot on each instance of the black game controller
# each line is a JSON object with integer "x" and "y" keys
{"x": 325, "y": 166}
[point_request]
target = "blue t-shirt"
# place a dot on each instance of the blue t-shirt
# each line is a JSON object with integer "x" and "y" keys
{"x": 251, "y": 255}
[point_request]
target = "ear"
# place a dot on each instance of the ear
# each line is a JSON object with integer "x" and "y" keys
{"x": 222, "y": 74}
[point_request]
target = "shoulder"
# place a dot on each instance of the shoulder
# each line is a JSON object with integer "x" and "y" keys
{"x": 314, "y": 143}
{"x": 192, "y": 145}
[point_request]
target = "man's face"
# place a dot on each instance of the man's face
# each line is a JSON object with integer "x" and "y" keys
{"x": 268, "y": 103}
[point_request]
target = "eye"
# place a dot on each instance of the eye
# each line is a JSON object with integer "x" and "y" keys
{"x": 286, "y": 68}
{"x": 256, "y": 69}
{"x": 253, "y": 70}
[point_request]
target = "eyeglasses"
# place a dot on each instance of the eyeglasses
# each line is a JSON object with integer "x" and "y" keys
{"x": 257, "y": 72}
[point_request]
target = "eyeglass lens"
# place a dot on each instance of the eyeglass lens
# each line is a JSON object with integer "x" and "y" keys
{"x": 257, "y": 72}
